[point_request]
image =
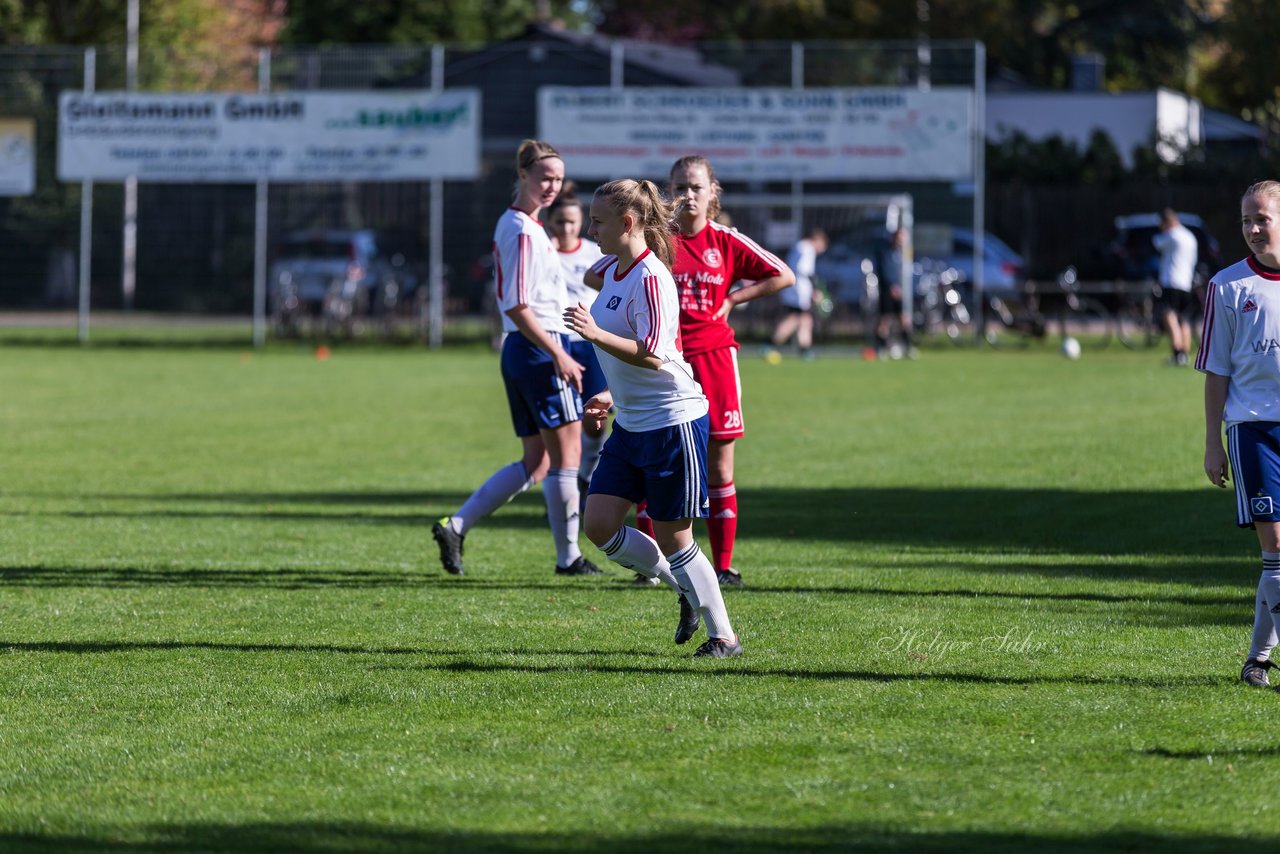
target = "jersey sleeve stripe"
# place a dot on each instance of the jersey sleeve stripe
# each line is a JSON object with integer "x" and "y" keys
{"x": 655, "y": 317}
{"x": 603, "y": 264}
{"x": 497, "y": 268}
{"x": 1210, "y": 308}
{"x": 522, "y": 270}
{"x": 764, "y": 254}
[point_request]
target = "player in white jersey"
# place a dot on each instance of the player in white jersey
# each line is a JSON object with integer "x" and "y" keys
{"x": 658, "y": 449}
{"x": 564, "y": 221}
{"x": 798, "y": 300}
{"x": 543, "y": 381}
{"x": 1240, "y": 358}
{"x": 1179, "y": 253}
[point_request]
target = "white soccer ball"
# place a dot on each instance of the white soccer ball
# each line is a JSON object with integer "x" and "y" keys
{"x": 1070, "y": 348}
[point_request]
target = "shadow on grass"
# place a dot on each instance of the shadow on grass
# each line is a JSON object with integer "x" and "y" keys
{"x": 1180, "y": 523}
{"x": 1210, "y": 609}
{"x": 1203, "y": 755}
{"x": 597, "y": 661}
{"x": 318, "y": 836}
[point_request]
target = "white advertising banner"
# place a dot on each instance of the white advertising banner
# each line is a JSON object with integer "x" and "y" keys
{"x": 767, "y": 134}
{"x": 17, "y": 157}
{"x": 288, "y": 136}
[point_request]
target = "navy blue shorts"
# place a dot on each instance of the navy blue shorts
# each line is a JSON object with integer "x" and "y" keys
{"x": 1253, "y": 447}
{"x": 539, "y": 399}
{"x": 665, "y": 467}
{"x": 593, "y": 381}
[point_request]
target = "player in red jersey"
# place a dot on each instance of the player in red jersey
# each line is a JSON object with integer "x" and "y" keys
{"x": 709, "y": 258}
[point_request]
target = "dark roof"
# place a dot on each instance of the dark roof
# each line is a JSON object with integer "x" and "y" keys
{"x": 677, "y": 65}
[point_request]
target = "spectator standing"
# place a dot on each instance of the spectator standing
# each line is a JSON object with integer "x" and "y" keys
{"x": 890, "y": 296}
{"x": 797, "y": 301}
{"x": 1178, "y": 257}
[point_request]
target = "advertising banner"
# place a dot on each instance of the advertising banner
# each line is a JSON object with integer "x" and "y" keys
{"x": 862, "y": 134}
{"x": 288, "y": 136}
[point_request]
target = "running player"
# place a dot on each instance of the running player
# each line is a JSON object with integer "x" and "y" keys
{"x": 542, "y": 380}
{"x": 1241, "y": 365}
{"x": 709, "y": 258}
{"x": 564, "y": 217}
{"x": 658, "y": 449}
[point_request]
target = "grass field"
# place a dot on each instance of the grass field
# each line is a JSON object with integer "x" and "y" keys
{"x": 992, "y": 604}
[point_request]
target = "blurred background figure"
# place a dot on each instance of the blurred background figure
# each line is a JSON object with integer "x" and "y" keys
{"x": 889, "y": 273}
{"x": 1179, "y": 254}
{"x": 798, "y": 300}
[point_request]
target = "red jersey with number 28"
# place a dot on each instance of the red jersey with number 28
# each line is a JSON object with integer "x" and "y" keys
{"x": 706, "y": 264}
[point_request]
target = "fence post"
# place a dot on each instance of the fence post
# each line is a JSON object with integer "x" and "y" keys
{"x": 260, "y": 224}
{"x": 86, "y": 214}
{"x": 435, "y": 240}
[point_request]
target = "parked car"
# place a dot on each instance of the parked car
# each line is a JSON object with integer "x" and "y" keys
{"x": 850, "y": 257}
{"x": 1131, "y": 256}
{"x": 336, "y": 275}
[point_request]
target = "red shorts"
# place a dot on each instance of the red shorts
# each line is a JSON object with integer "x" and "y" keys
{"x": 717, "y": 372}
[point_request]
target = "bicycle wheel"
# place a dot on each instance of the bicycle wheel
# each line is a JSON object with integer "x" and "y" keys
{"x": 1004, "y": 330}
{"x": 1136, "y": 327}
{"x": 1088, "y": 321}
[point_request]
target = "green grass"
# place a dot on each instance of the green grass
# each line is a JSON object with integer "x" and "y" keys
{"x": 992, "y": 604}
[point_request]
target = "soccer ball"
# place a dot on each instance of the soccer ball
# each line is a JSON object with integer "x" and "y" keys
{"x": 1070, "y": 348}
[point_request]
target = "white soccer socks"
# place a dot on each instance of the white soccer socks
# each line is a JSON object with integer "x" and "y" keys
{"x": 698, "y": 583}
{"x": 560, "y": 490}
{"x": 502, "y": 486}
{"x": 631, "y": 549}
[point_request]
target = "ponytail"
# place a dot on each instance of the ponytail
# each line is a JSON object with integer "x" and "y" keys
{"x": 651, "y": 211}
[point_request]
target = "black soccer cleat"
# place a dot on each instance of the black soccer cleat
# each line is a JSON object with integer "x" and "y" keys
{"x": 450, "y": 544}
{"x": 1254, "y": 673}
{"x": 720, "y": 648}
{"x": 689, "y": 622}
{"x": 728, "y": 578}
{"x": 643, "y": 581}
{"x": 581, "y": 566}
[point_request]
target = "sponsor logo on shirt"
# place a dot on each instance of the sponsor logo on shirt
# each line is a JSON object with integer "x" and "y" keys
{"x": 1264, "y": 346}
{"x": 711, "y": 257}
{"x": 1249, "y": 305}
{"x": 613, "y": 303}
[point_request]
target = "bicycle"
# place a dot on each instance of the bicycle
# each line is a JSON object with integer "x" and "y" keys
{"x": 1008, "y": 324}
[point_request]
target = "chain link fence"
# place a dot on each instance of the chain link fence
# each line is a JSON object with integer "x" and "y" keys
{"x": 195, "y": 242}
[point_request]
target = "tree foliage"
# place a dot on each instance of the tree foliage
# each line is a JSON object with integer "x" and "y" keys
{"x": 316, "y": 22}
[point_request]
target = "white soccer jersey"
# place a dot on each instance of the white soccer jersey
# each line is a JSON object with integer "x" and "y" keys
{"x": 641, "y": 303}
{"x": 1241, "y": 340}
{"x": 802, "y": 260}
{"x": 527, "y": 271}
{"x": 1178, "y": 255}
{"x": 573, "y": 266}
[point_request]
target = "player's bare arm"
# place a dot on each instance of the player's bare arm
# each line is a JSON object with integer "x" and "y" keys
{"x": 593, "y": 280}
{"x": 1215, "y": 456}
{"x": 566, "y": 368}
{"x": 756, "y": 290}
{"x": 629, "y": 350}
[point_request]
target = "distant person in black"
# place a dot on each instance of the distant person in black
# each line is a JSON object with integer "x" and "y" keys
{"x": 888, "y": 268}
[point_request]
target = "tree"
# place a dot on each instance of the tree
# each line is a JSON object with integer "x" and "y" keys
{"x": 316, "y": 22}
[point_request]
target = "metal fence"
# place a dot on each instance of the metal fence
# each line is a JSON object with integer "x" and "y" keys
{"x": 195, "y": 242}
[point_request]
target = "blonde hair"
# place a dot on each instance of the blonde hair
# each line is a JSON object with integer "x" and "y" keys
{"x": 713, "y": 211}
{"x": 652, "y": 212}
{"x": 1265, "y": 189}
{"x": 531, "y": 151}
